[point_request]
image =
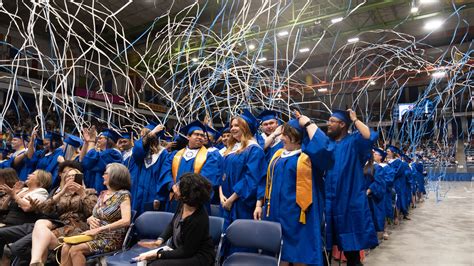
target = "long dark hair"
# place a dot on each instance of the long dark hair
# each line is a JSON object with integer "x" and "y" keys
{"x": 369, "y": 167}
{"x": 195, "y": 189}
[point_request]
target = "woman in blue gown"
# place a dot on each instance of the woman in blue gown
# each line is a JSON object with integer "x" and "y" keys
{"x": 299, "y": 209}
{"x": 47, "y": 158}
{"x": 244, "y": 168}
{"x": 94, "y": 157}
{"x": 376, "y": 188}
{"x": 389, "y": 174}
{"x": 149, "y": 167}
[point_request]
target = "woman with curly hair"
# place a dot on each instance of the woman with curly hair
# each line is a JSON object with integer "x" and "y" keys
{"x": 188, "y": 232}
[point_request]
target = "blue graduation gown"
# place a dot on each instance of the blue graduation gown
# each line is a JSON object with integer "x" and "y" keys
{"x": 301, "y": 242}
{"x": 348, "y": 217}
{"x": 242, "y": 174}
{"x": 149, "y": 183}
{"x": 420, "y": 178}
{"x": 47, "y": 162}
{"x": 377, "y": 186}
{"x": 211, "y": 170}
{"x": 389, "y": 174}
{"x": 21, "y": 169}
{"x": 94, "y": 164}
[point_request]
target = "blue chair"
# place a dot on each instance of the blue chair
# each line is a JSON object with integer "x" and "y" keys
{"x": 215, "y": 210}
{"x": 216, "y": 227}
{"x": 259, "y": 235}
{"x": 97, "y": 259}
{"x": 148, "y": 226}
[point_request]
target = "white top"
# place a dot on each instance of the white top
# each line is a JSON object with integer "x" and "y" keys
{"x": 39, "y": 194}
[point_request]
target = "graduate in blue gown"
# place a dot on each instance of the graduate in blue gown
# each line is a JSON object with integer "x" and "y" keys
{"x": 389, "y": 175}
{"x": 46, "y": 158}
{"x": 70, "y": 150}
{"x": 244, "y": 169}
{"x": 269, "y": 139}
{"x": 150, "y": 166}
{"x": 411, "y": 181}
{"x": 348, "y": 217}
{"x": 210, "y": 142}
{"x": 194, "y": 158}
{"x": 294, "y": 192}
{"x": 400, "y": 182}
{"x": 94, "y": 157}
{"x": 125, "y": 145}
{"x": 419, "y": 177}
{"x": 15, "y": 161}
{"x": 376, "y": 190}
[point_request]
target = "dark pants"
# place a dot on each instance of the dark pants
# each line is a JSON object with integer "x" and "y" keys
{"x": 353, "y": 258}
{"x": 19, "y": 237}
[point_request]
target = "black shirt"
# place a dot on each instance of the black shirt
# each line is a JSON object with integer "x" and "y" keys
{"x": 193, "y": 237}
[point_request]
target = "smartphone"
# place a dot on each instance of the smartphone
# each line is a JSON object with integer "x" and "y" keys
{"x": 78, "y": 178}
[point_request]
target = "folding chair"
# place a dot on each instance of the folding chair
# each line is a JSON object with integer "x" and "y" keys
{"x": 215, "y": 210}
{"x": 216, "y": 227}
{"x": 147, "y": 226}
{"x": 260, "y": 235}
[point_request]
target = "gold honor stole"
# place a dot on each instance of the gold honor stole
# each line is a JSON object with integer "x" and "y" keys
{"x": 304, "y": 183}
{"x": 199, "y": 161}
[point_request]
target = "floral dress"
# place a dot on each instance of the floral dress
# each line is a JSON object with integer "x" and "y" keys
{"x": 107, "y": 210}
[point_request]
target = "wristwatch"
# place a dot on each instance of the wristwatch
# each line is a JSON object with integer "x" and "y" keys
{"x": 308, "y": 123}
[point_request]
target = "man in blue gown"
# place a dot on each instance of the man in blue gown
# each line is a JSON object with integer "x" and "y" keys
{"x": 348, "y": 217}
{"x": 195, "y": 158}
{"x": 269, "y": 139}
{"x": 16, "y": 158}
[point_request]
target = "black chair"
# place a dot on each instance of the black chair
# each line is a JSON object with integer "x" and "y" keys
{"x": 259, "y": 235}
{"x": 148, "y": 226}
{"x": 216, "y": 228}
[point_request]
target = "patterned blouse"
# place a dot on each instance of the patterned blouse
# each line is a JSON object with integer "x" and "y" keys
{"x": 107, "y": 210}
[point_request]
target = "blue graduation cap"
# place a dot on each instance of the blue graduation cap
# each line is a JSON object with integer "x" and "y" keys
{"x": 294, "y": 123}
{"x": 193, "y": 126}
{"x": 406, "y": 158}
{"x": 38, "y": 142}
{"x": 268, "y": 115}
{"x": 74, "y": 141}
{"x": 51, "y": 135}
{"x": 151, "y": 125}
{"x": 341, "y": 115}
{"x": 111, "y": 134}
{"x": 393, "y": 149}
{"x": 380, "y": 152}
{"x": 20, "y": 135}
{"x": 126, "y": 135}
{"x": 211, "y": 131}
{"x": 251, "y": 120}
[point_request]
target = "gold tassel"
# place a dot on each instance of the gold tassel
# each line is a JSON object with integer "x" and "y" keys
{"x": 302, "y": 217}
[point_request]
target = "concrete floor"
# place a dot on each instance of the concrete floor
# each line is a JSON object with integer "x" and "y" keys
{"x": 441, "y": 231}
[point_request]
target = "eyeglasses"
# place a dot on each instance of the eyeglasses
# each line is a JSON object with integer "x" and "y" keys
{"x": 202, "y": 135}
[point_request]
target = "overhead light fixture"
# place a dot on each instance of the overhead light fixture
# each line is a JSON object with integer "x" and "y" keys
{"x": 433, "y": 24}
{"x": 423, "y": 2}
{"x": 194, "y": 59}
{"x": 239, "y": 44}
{"x": 438, "y": 74}
{"x": 414, "y": 9}
{"x": 336, "y": 20}
{"x": 323, "y": 89}
{"x": 304, "y": 50}
{"x": 262, "y": 59}
{"x": 283, "y": 33}
{"x": 353, "y": 40}
{"x": 372, "y": 83}
{"x": 251, "y": 46}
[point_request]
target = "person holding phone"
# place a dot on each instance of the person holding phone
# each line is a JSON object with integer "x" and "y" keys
{"x": 67, "y": 211}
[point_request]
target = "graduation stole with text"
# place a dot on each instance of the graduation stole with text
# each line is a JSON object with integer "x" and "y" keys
{"x": 198, "y": 161}
{"x": 304, "y": 183}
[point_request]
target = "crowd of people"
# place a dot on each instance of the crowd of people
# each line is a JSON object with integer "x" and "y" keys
{"x": 327, "y": 189}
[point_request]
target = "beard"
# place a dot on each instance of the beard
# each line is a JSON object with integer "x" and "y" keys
{"x": 333, "y": 134}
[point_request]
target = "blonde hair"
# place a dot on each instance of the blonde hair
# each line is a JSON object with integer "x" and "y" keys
{"x": 246, "y": 135}
{"x": 44, "y": 178}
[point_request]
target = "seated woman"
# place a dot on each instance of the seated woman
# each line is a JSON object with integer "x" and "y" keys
{"x": 188, "y": 231}
{"x": 18, "y": 203}
{"x": 109, "y": 221}
{"x": 68, "y": 210}
{"x": 9, "y": 177}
